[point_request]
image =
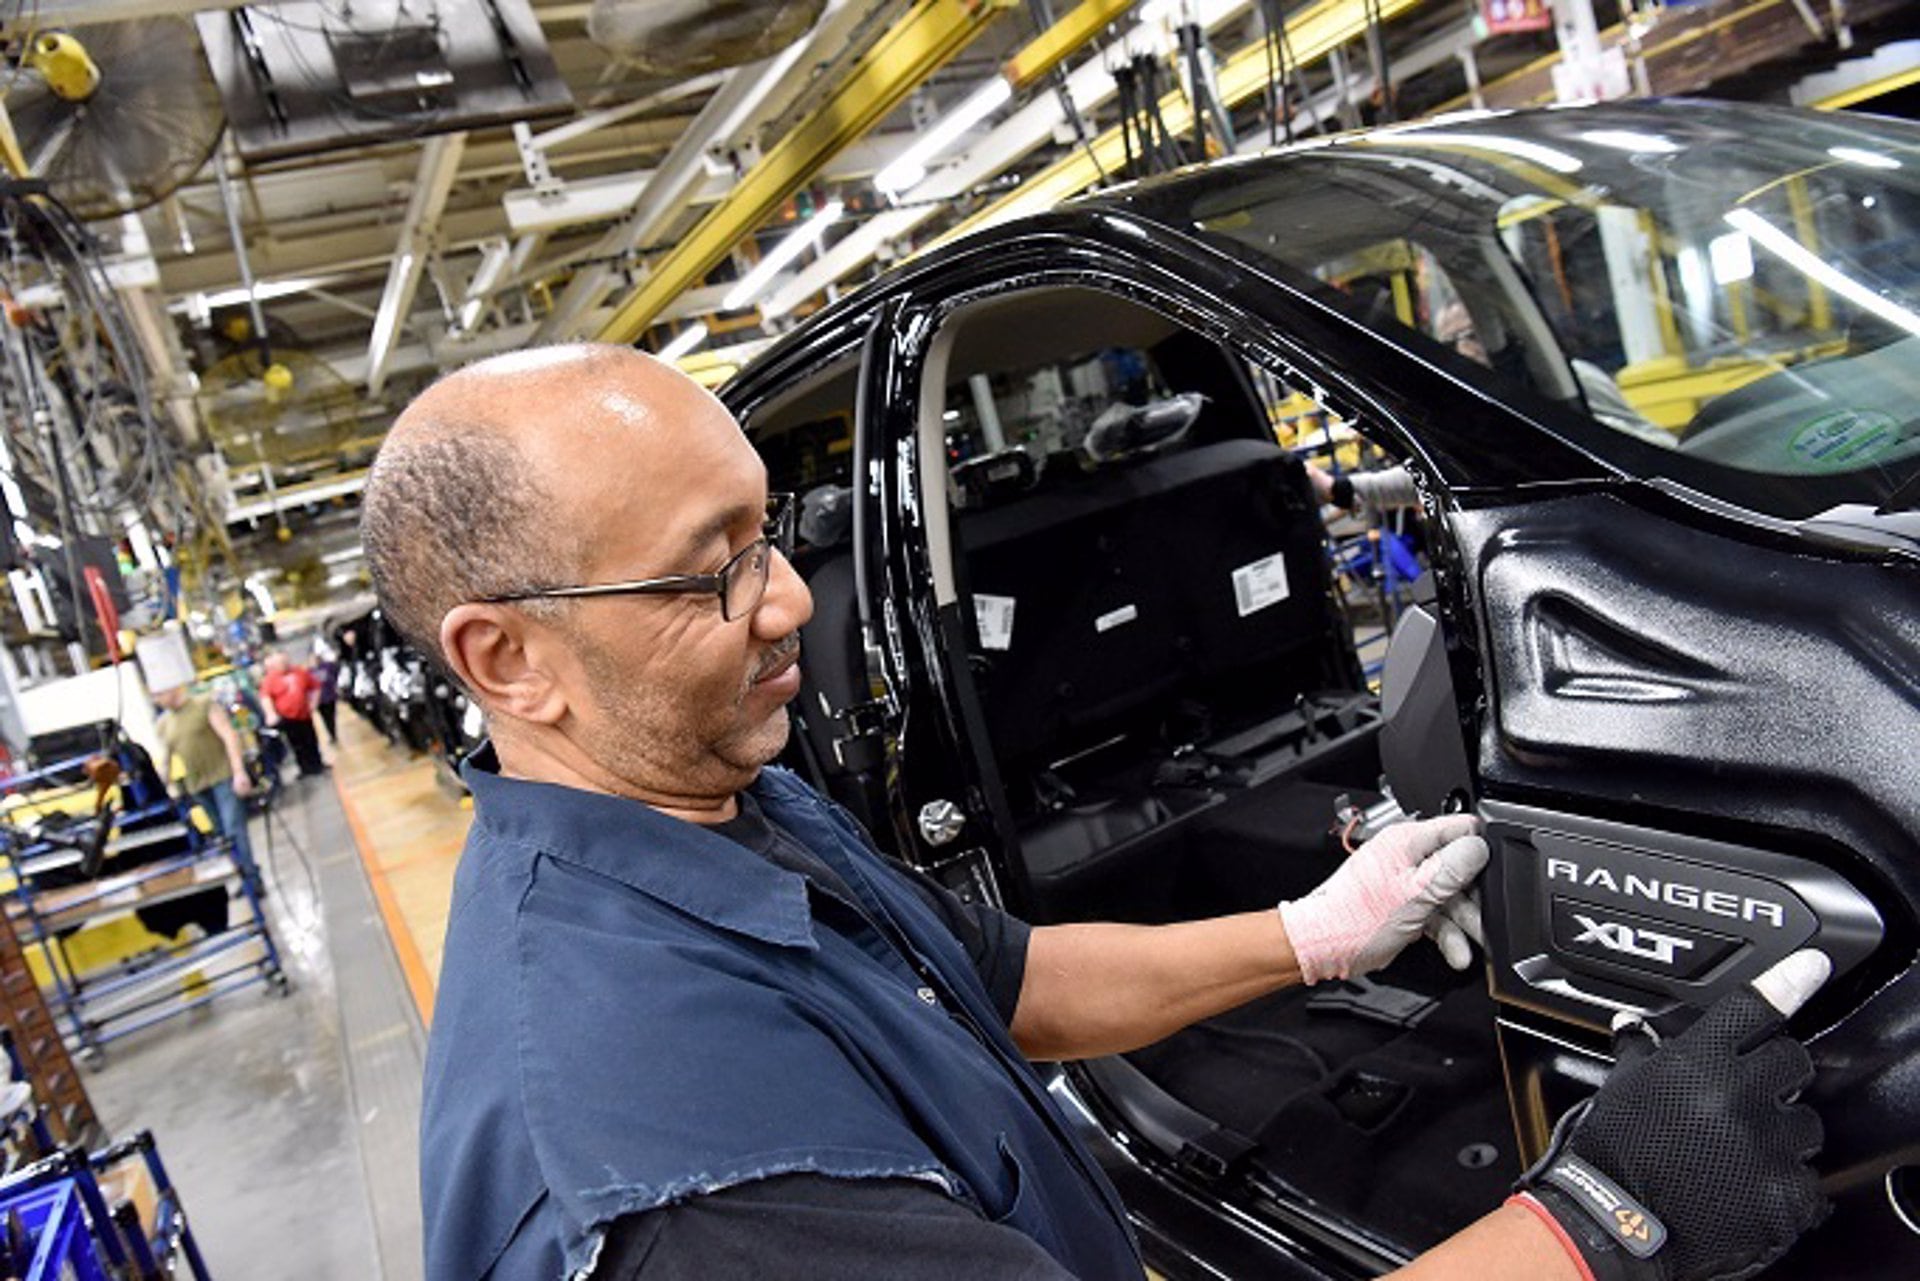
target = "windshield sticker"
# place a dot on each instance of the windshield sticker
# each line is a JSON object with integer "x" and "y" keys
{"x": 1260, "y": 584}
{"x": 1844, "y": 439}
{"x": 994, "y": 616}
{"x": 1108, "y": 621}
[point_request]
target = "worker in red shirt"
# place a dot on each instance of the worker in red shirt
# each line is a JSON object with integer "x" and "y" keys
{"x": 289, "y": 693}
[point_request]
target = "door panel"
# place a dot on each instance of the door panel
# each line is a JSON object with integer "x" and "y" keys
{"x": 1651, "y": 667}
{"x": 1588, "y": 917}
{"x": 1697, "y": 753}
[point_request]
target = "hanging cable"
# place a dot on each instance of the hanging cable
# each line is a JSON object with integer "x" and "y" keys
{"x": 1377, "y": 54}
{"x": 1042, "y": 13}
{"x": 1129, "y": 117}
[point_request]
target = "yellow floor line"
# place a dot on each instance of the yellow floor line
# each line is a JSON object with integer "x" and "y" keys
{"x": 419, "y": 982}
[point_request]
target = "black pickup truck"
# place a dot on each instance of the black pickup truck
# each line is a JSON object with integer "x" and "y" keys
{"x": 1078, "y": 649}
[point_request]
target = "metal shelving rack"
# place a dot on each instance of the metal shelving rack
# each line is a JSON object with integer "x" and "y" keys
{"x": 110, "y": 1001}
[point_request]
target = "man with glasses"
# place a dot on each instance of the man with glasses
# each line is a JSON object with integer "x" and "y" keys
{"x": 690, "y": 1024}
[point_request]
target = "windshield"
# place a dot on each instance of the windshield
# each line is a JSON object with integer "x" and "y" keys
{"x": 1737, "y": 287}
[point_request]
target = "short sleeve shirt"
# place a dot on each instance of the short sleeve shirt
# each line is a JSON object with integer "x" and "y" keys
{"x": 996, "y": 943}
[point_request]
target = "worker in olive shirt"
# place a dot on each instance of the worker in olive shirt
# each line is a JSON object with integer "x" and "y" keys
{"x": 690, "y": 1024}
{"x": 197, "y": 732}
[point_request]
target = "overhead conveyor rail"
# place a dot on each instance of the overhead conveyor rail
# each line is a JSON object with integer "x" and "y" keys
{"x": 922, "y": 42}
{"x": 1311, "y": 35}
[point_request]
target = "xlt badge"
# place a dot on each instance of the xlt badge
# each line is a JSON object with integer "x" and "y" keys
{"x": 1590, "y": 930}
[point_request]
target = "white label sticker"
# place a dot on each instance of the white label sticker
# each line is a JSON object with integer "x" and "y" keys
{"x": 1113, "y": 618}
{"x": 1260, "y": 584}
{"x": 994, "y": 614}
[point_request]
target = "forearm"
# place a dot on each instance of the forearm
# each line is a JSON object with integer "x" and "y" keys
{"x": 1511, "y": 1244}
{"x": 1100, "y": 989}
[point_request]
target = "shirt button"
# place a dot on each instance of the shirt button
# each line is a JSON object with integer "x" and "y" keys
{"x": 927, "y": 994}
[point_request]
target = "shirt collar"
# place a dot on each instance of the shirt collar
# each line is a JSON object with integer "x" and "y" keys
{"x": 680, "y": 863}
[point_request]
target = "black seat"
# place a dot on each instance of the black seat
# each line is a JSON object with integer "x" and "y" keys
{"x": 1195, "y": 574}
{"x": 833, "y": 674}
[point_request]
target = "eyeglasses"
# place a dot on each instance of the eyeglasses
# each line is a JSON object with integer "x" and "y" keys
{"x": 740, "y": 584}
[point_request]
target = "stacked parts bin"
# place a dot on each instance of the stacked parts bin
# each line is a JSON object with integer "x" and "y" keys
{"x": 156, "y": 857}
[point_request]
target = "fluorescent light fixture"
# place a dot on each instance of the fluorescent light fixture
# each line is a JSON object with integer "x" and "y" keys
{"x": 1519, "y": 148}
{"x": 142, "y": 543}
{"x": 910, "y": 167}
{"x": 263, "y": 290}
{"x": 684, "y": 341}
{"x": 807, "y": 233}
{"x": 1642, "y": 144}
{"x": 261, "y": 597}
{"x": 1798, "y": 256}
{"x": 1732, "y": 258}
{"x": 344, "y": 555}
{"x": 1861, "y": 156}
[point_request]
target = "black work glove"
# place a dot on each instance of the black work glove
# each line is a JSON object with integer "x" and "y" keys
{"x": 1690, "y": 1163}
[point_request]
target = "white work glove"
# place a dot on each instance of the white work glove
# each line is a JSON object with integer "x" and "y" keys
{"x": 1409, "y": 880}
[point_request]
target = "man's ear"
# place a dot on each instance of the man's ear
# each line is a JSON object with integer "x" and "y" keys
{"x": 496, "y": 651}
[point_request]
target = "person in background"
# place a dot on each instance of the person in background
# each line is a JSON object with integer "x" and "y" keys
{"x": 195, "y": 730}
{"x": 326, "y": 670}
{"x": 290, "y": 694}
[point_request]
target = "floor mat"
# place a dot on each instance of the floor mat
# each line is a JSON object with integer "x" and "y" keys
{"x": 1405, "y": 1131}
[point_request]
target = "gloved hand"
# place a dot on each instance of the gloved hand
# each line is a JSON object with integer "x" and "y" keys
{"x": 1690, "y": 1164}
{"x": 1390, "y": 891}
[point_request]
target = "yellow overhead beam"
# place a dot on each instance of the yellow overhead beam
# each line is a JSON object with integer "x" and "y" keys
{"x": 1868, "y": 91}
{"x": 919, "y": 44}
{"x": 1311, "y": 34}
{"x": 1054, "y": 45}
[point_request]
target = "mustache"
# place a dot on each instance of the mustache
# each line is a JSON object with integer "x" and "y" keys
{"x": 778, "y": 656}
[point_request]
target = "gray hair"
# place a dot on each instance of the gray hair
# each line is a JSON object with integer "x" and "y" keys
{"x": 450, "y": 515}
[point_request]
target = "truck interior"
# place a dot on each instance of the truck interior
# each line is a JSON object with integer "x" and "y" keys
{"x": 1180, "y": 733}
{"x": 1181, "y": 729}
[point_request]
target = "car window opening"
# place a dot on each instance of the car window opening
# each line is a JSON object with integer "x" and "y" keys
{"x": 1164, "y": 653}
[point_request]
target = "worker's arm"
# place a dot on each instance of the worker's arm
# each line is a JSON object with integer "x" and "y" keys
{"x": 1103, "y": 989}
{"x": 230, "y": 739}
{"x": 1098, "y": 989}
{"x": 1511, "y": 1244}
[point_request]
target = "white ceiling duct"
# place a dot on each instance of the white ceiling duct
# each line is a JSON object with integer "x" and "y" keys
{"x": 687, "y": 37}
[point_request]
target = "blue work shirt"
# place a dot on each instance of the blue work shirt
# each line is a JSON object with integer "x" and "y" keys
{"x": 634, "y": 1011}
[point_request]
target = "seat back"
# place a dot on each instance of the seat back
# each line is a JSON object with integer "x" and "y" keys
{"x": 1140, "y": 585}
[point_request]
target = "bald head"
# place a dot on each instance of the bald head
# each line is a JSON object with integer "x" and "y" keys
{"x": 479, "y": 486}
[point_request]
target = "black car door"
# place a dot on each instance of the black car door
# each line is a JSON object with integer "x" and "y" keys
{"x": 1695, "y": 755}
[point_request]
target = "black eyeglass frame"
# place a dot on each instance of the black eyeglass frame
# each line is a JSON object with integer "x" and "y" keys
{"x": 776, "y": 535}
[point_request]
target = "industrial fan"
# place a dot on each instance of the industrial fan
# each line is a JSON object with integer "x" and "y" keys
{"x": 117, "y": 118}
{"x": 276, "y": 406}
{"x": 687, "y": 37}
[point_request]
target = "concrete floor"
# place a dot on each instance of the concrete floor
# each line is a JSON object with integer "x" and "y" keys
{"x": 288, "y": 1123}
